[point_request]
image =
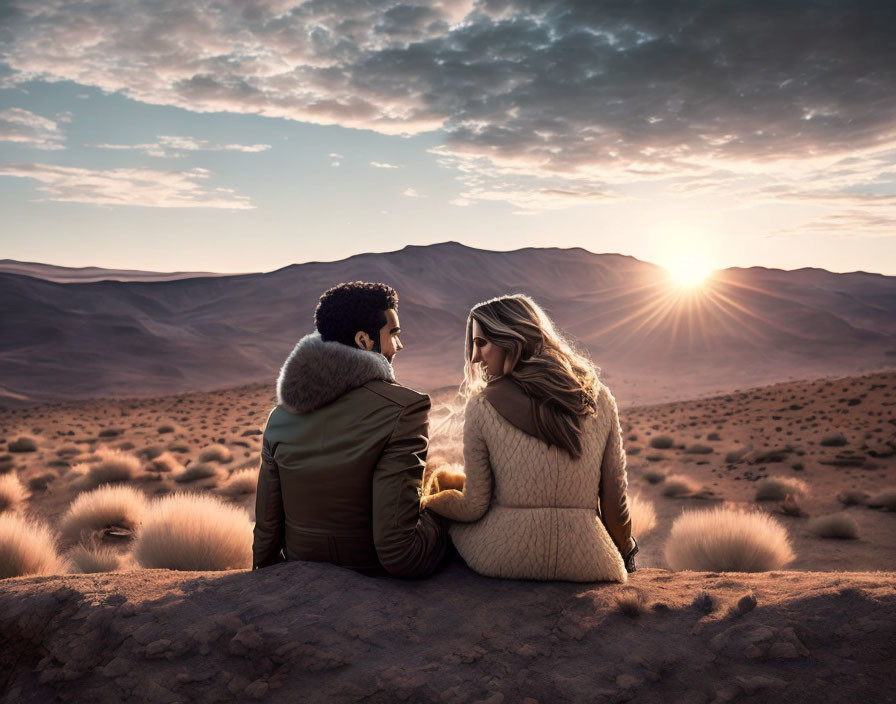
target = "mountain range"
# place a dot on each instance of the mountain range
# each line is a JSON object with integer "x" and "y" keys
{"x": 151, "y": 334}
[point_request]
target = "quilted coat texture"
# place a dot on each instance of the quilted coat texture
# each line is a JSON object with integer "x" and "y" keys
{"x": 528, "y": 510}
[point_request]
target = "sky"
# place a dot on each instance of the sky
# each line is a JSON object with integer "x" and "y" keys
{"x": 237, "y": 136}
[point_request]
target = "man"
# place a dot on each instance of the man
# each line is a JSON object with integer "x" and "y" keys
{"x": 344, "y": 450}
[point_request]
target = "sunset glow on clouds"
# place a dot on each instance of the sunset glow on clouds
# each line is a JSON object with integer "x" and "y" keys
{"x": 608, "y": 109}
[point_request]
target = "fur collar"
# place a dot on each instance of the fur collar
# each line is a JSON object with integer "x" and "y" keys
{"x": 318, "y": 372}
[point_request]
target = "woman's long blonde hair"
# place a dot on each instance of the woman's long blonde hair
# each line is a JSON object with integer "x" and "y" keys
{"x": 562, "y": 382}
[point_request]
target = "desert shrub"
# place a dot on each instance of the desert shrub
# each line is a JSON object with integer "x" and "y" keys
{"x": 110, "y": 433}
{"x": 679, "y": 485}
{"x": 67, "y": 450}
{"x": 113, "y": 466}
{"x": 662, "y": 442}
{"x": 215, "y": 453}
{"x": 698, "y": 449}
{"x": 27, "y": 547}
{"x": 744, "y": 605}
{"x": 90, "y": 514}
{"x": 654, "y": 476}
{"x": 150, "y": 452}
{"x": 195, "y": 472}
{"x": 12, "y": 493}
{"x": 852, "y": 497}
{"x": 837, "y": 440}
{"x": 40, "y": 481}
{"x": 163, "y": 429}
{"x": 631, "y": 602}
{"x": 241, "y": 483}
{"x": 727, "y": 540}
{"x": 165, "y": 462}
{"x": 777, "y": 488}
{"x": 89, "y": 560}
{"x": 734, "y": 457}
{"x": 24, "y": 443}
{"x": 657, "y": 457}
{"x": 642, "y": 513}
{"x": 885, "y": 499}
{"x": 194, "y": 532}
{"x": 713, "y": 436}
{"x": 705, "y": 602}
{"x": 179, "y": 447}
{"x": 834, "y": 525}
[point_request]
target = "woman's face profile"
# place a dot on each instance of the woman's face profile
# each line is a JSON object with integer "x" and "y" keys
{"x": 490, "y": 356}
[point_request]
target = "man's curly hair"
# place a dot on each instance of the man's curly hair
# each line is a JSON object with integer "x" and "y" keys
{"x": 349, "y": 307}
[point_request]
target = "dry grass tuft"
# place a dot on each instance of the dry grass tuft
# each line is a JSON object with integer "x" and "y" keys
{"x": 164, "y": 462}
{"x": 835, "y": 525}
{"x": 631, "y": 602}
{"x": 106, "y": 508}
{"x": 678, "y": 485}
{"x": 12, "y": 493}
{"x": 26, "y": 548}
{"x": 662, "y": 442}
{"x": 777, "y": 488}
{"x": 215, "y": 453}
{"x": 90, "y": 560}
{"x": 654, "y": 476}
{"x": 642, "y": 513}
{"x": 197, "y": 471}
{"x": 705, "y": 602}
{"x": 852, "y": 497}
{"x": 885, "y": 500}
{"x": 24, "y": 443}
{"x": 744, "y": 605}
{"x": 241, "y": 483}
{"x": 727, "y": 540}
{"x": 111, "y": 467}
{"x": 194, "y": 532}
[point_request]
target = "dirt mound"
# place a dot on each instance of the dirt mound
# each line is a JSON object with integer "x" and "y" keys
{"x": 314, "y": 632}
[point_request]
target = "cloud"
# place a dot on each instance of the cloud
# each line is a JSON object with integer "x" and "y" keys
{"x": 168, "y": 146}
{"x": 31, "y": 130}
{"x": 383, "y": 165}
{"x": 141, "y": 187}
{"x": 569, "y": 92}
{"x": 411, "y": 193}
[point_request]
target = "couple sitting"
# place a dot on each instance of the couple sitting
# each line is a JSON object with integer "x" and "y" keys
{"x": 344, "y": 452}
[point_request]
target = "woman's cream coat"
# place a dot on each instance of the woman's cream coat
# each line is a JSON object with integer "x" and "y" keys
{"x": 530, "y": 511}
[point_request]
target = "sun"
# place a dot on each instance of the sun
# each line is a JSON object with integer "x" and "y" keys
{"x": 689, "y": 271}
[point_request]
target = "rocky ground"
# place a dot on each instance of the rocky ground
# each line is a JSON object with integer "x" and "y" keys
{"x": 317, "y": 633}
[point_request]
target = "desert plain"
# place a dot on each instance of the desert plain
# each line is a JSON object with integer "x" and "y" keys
{"x": 819, "y": 628}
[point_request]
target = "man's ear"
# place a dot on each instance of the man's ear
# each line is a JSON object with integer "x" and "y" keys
{"x": 362, "y": 340}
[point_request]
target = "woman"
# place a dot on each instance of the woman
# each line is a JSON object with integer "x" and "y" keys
{"x": 545, "y": 490}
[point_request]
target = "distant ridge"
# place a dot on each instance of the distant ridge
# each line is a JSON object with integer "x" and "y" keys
{"x": 91, "y": 274}
{"x": 653, "y": 341}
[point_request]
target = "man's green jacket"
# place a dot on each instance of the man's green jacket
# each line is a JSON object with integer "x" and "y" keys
{"x": 342, "y": 465}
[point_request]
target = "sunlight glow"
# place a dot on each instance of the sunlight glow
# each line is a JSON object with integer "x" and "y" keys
{"x": 689, "y": 271}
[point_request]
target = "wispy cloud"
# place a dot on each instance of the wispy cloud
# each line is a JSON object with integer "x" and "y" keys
{"x": 383, "y": 165}
{"x": 28, "y": 129}
{"x": 170, "y": 146}
{"x": 141, "y": 187}
{"x": 412, "y": 193}
{"x": 563, "y": 94}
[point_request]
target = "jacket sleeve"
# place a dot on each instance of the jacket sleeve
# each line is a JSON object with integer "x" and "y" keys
{"x": 612, "y": 499}
{"x": 473, "y": 502}
{"x": 409, "y": 543}
{"x": 269, "y": 534}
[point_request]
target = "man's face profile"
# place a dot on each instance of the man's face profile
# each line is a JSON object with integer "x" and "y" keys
{"x": 388, "y": 343}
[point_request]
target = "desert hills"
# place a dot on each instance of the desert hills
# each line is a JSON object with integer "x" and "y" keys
{"x": 655, "y": 342}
